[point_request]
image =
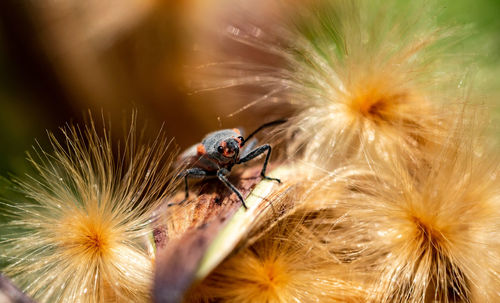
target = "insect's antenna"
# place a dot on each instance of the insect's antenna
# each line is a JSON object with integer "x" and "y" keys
{"x": 268, "y": 124}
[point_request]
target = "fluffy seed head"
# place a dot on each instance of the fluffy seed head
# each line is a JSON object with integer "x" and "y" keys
{"x": 365, "y": 78}
{"x": 287, "y": 264}
{"x": 431, "y": 234}
{"x": 81, "y": 232}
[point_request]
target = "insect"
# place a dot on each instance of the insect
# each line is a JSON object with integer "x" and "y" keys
{"x": 219, "y": 151}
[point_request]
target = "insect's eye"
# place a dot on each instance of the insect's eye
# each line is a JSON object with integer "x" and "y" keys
{"x": 220, "y": 149}
{"x": 241, "y": 138}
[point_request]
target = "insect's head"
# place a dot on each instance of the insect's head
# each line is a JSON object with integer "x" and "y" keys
{"x": 223, "y": 145}
{"x": 230, "y": 145}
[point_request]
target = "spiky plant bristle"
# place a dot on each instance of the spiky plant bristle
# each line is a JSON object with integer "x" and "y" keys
{"x": 429, "y": 234}
{"x": 81, "y": 235}
{"x": 285, "y": 265}
{"x": 366, "y": 78}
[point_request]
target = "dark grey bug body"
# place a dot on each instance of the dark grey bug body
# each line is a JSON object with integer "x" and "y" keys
{"x": 219, "y": 151}
{"x": 211, "y": 159}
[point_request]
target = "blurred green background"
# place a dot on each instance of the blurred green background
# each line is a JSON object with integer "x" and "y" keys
{"x": 60, "y": 58}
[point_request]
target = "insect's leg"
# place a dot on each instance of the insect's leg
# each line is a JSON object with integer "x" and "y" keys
{"x": 191, "y": 173}
{"x": 248, "y": 148}
{"x": 221, "y": 175}
{"x": 256, "y": 152}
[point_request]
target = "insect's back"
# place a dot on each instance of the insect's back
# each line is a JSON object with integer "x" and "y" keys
{"x": 205, "y": 155}
{"x": 213, "y": 139}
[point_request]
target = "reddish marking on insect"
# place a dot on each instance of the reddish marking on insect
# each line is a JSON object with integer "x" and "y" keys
{"x": 227, "y": 152}
{"x": 238, "y": 140}
{"x": 200, "y": 149}
{"x": 237, "y": 131}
